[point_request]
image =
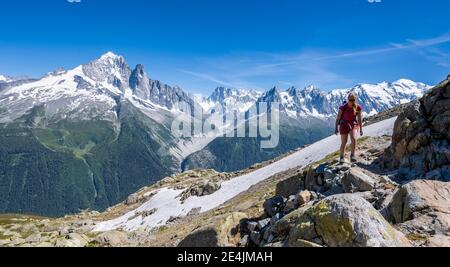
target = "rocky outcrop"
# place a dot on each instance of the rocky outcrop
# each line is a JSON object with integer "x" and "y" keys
{"x": 345, "y": 221}
{"x": 310, "y": 208}
{"x": 200, "y": 189}
{"x": 420, "y": 146}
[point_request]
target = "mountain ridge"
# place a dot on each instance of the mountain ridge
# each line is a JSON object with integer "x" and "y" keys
{"x": 111, "y": 69}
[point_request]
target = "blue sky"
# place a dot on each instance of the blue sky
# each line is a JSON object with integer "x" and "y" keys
{"x": 201, "y": 44}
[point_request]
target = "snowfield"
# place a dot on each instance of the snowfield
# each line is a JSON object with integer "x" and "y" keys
{"x": 167, "y": 205}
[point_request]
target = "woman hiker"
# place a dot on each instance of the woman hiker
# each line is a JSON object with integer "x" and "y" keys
{"x": 349, "y": 122}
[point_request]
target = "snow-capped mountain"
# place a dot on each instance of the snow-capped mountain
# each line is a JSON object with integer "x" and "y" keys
{"x": 5, "y": 79}
{"x": 306, "y": 116}
{"x": 311, "y": 101}
{"x": 231, "y": 99}
{"x": 95, "y": 89}
{"x": 90, "y": 91}
{"x": 102, "y": 131}
{"x": 83, "y": 92}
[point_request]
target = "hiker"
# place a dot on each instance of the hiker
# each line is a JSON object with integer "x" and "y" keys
{"x": 349, "y": 122}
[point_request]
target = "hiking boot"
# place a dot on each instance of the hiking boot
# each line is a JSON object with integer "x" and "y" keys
{"x": 342, "y": 160}
{"x": 353, "y": 159}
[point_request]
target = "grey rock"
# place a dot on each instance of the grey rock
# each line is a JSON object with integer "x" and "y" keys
{"x": 200, "y": 189}
{"x": 267, "y": 233}
{"x": 220, "y": 234}
{"x": 252, "y": 226}
{"x": 419, "y": 197}
{"x": 304, "y": 198}
{"x": 330, "y": 175}
{"x": 73, "y": 240}
{"x": 311, "y": 180}
{"x": 34, "y": 238}
{"x": 245, "y": 240}
{"x": 276, "y": 218}
{"x": 289, "y": 186}
{"x": 346, "y": 221}
{"x": 334, "y": 190}
{"x": 358, "y": 181}
{"x": 421, "y": 133}
{"x": 291, "y": 204}
{"x": 256, "y": 238}
{"x": 112, "y": 239}
{"x": 132, "y": 199}
{"x": 321, "y": 169}
{"x": 204, "y": 237}
{"x": 273, "y": 206}
{"x": 262, "y": 224}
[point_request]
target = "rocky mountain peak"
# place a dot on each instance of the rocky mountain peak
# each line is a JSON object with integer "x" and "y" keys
{"x": 109, "y": 68}
{"x": 221, "y": 93}
{"x": 139, "y": 82}
{"x": 312, "y": 89}
{"x": 111, "y": 55}
{"x": 4, "y": 78}
{"x": 272, "y": 95}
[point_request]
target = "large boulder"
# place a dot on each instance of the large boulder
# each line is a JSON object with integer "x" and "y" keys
{"x": 357, "y": 180}
{"x": 132, "y": 199}
{"x": 422, "y": 211}
{"x": 224, "y": 233}
{"x": 112, "y": 239}
{"x": 419, "y": 197}
{"x": 73, "y": 240}
{"x": 345, "y": 221}
{"x": 290, "y": 186}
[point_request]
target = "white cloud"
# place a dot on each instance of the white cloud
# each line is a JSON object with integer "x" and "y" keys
{"x": 409, "y": 44}
{"x": 207, "y": 77}
{"x": 306, "y": 67}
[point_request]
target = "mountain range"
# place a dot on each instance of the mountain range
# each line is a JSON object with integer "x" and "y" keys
{"x": 86, "y": 138}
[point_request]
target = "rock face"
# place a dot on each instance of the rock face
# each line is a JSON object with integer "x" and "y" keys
{"x": 422, "y": 211}
{"x": 345, "y": 221}
{"x": 420, "y": 146}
